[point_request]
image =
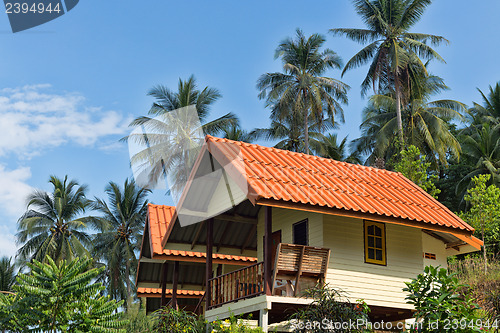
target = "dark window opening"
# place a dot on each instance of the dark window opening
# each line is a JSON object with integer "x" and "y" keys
{"x": 300, "y": 233}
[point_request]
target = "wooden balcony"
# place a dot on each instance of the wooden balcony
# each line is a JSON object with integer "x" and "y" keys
{"x": 296, "y": 268}
{"x": 240, "y": 284}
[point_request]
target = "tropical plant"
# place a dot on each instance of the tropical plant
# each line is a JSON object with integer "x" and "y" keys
{"x": 7, "y": 274}
{"x": 392, "y": 47}
{"x": 484, "y": 212}
{"x": 170, "y": 136}
{"x": 301, "y": 89}
{"x": 331, "y": 305}
{"x": 53, "y": 224}
{"x": 414, "y": 167}
{"x": 436, "y": 296}
{"x": 60, "y": 297}
{"x": 426, "y": 124}
{"x": 168, "y": 319}
{"x": 328, "y": 146}
{"x": 120, "y": 236}
{"x": 489, "y": 112}
{"x": 233, "y": 324}
{"x": 482, "y": 149}
{"x": 236, "y": 133}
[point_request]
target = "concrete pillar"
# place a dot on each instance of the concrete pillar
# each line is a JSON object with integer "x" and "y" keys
{"x": 263, "y": 319}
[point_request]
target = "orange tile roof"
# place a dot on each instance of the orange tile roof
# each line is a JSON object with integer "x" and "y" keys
{"x": 142, "y": 292}
{"x": 305, "y": 179}
{"x": 160, "y": 217}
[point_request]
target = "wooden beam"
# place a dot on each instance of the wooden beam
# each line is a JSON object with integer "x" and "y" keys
{"x": 299, "y": 271}
{"x": 175, "y": 280}
{"x": 164, "y": 284}
{"x": 249, "y": 238}
{"x": 224, "y": 234}
{"x": 237, "y": 218}
{"x": 208, "y": 267}
{"x": 268, "y": 244}
{"x": 197, "y": 235}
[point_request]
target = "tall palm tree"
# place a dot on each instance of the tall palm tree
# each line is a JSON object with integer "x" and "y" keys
{"x": 163, "y": 129}
{"x": 120, "y": 235}
{"x": 53, "y": 224}
{"x": 392, "y": 47}
{"x": 489, "y": 112}
{"x": 236, "y": 133}
{"x": 482, "y": 149}
{"x": 426, "y": 124}
{"x": 302, "y": 88}
{"x": 7, "y": 274}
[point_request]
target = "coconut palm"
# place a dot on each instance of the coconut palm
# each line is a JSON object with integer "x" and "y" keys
{"x": 426, "y": 124}
{"x": 392, "y": 47}
{"x": 482, "y": 149}
{"x": 301, "y": 88}
{"x": 120, "y": 235}
{"x": 489, "y": 112}
{"x": 236, "y": 133}
{"x": 328, "y": 146}
{"x": 170, "y": 140}
{"x": 7, "y": 274}
{"x": 53, "y": 225}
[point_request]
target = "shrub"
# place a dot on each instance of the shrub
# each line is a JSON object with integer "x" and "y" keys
{"x": 435, "y": 294}
{"x": 233, "y": 325}
{"x": 169, "y": 320}
{"x": 328, "y": 304}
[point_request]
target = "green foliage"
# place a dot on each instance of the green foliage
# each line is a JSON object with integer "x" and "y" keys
{"x": 233, "y": 325}
{"x": 435, "y": 294}
{"x": 60, "y": 297}
{"x": 328, "y": 303}
{"x": 169, "y": 320}
{"x": 413, "y": 166}
{"x": 7, "y": 274}
{"x": 484, "y": 212}
{"x": 120, "y": 235}
{"x": 53, "y": 225}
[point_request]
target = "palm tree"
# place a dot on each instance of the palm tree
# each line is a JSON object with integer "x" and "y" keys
{"x": 489, "y": 112}
{"x": 120, "y": 235}
{"x": 482, "y": 149}
{"x": 426, "y": 124}
{"x": 170, "y": 140}
{"x": 301, "y": 88}
{"x": 329, "y": 147}
{"x": 236, "y": 133}
{"x": 392, "y": 47}
{"x": 7, "y": 274}
{"x": 53, "y": 224}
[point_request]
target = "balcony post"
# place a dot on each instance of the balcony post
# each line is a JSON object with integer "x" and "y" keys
{"x": 208, "y": 267}
{"x": 164, "y": 284}
{"x": 268, "y": 245}
{"x": 174, "y": 285}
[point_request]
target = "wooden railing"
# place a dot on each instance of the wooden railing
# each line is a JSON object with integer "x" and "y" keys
{"x": 242, "y": 283}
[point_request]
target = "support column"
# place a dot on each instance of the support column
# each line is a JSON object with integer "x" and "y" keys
{"x": 208, "y": 267}
{"x": 268, "y": 245}
{"x": 164, "y": 284}
{"x": 264, "y": 319}
{"x": 175, "y": 280}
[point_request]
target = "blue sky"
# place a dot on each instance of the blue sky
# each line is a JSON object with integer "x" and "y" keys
{"x": 69, "y": 88}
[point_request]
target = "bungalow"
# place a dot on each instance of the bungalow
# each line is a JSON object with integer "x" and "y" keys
{"x": 310, "y": 220}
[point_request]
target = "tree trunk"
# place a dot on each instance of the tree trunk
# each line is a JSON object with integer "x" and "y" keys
{"x": 306, "y": 133}
{"x": 484, "y": 251}
{"x": 127, "y": 281}
{"x": 398, "y": 107}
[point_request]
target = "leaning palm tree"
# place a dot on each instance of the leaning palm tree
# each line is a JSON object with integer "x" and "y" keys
{"x": 302, "y": 88}
{"x": 53, "y": 224}
{"x": 7, "y": 274}
{"x": 392, "y": 47}
{"x": 120, "y": 235}
{"x": 170, "y": 135}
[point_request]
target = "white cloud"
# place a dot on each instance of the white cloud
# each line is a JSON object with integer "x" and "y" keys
{"x": 14, "y": 191}
{"x": 34, "y": 117}
{"x": 7, "y": 242}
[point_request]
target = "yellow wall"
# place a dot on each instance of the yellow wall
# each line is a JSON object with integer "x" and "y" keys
{"x": 376, "y": 284}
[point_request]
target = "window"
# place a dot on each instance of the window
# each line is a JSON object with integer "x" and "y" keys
{"x": 375, "y": 243}
{"x": 300, "y": 234}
